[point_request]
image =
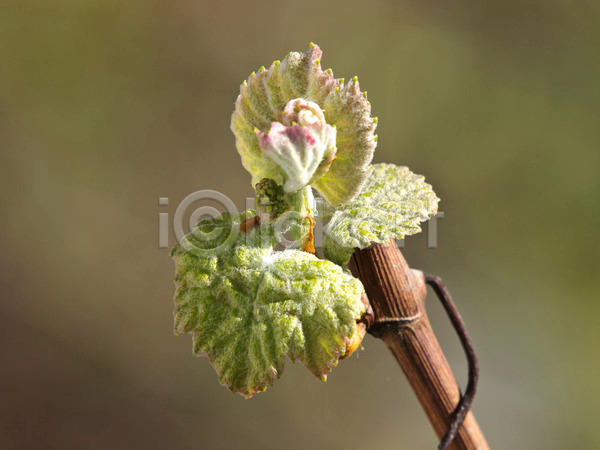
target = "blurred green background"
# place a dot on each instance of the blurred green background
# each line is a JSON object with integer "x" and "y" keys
{"x": 105, "y": 106}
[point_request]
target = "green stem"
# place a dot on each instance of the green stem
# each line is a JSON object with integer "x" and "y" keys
{"x": 303, "y": 203}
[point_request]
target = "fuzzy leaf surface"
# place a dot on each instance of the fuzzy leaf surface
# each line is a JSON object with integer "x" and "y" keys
{"x": 392, "y": 204}
{"x": 248, "y": 307}
{"x": 263, "y": 99}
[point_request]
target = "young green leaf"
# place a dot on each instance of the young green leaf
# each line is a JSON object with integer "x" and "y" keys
{"x": 248, "y": 307}
{"x": 391, "y": 205}
{"x": 265, "y": 97}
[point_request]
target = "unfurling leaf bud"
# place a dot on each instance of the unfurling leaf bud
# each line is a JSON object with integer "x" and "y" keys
{"x": 291, "y": 88}
{"x": 303, "y": 145}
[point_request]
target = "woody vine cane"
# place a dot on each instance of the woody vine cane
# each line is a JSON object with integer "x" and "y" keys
{"x": 250, "y": 288}
{"x": 398, "y": 317}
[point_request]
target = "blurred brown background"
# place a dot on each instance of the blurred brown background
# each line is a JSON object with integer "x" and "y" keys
{"x": 106, "y": 105}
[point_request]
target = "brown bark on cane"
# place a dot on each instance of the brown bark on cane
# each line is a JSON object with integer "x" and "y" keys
{"x": 397, "y": 296}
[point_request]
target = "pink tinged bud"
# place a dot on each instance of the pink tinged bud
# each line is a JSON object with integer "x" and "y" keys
{"x": 303, "y": 145}
{"x": 303, "y": 112}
